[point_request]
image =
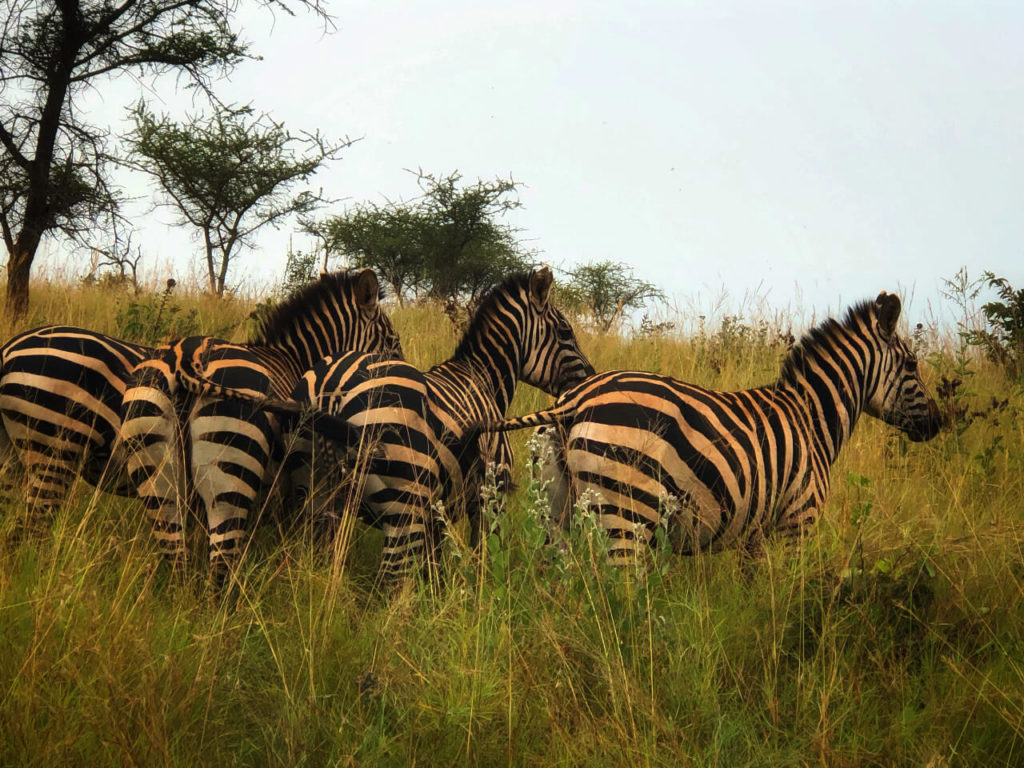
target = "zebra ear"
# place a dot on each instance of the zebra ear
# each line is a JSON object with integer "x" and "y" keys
{"x": 887, "y": 310}
{"x": 540, "y": 287}
{"x": 367, "y": 290}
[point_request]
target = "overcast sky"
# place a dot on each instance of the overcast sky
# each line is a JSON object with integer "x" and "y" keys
{"x": 812, "y": 153}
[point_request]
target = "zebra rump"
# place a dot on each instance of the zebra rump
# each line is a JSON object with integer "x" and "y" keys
{"x": 179, "y": 436}
{"x": 60, "y": 394}
{"x": 424, "y": 461}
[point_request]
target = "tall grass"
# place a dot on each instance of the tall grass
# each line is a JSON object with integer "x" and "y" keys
{"x": 891, "y": 635}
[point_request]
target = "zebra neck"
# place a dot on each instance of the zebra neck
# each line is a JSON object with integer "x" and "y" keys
{"x": 495, "y": 363}
{"x": 831, "y": 393}
{"x": 303, "y": 350}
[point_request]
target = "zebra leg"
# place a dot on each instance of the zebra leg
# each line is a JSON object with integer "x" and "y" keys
{"x": 628, "y": 538}
{"x": 406, "y": 537}
{"x": 151, "y": 451}
{"x": 298, "y": 466}
{"x": 491, "y": 493}
{"x": 433, "y": 572}
{"x": 628, "y": 524}
{"x": 44, "y": 487}
{"x": 334, "y": 503}
{"x": 401, "y": 541}
{"x": 49, "y": 461}
{"x": 317, "y": 481}
{"x": 231, "y": 447}
{"x": 11, "y": 471}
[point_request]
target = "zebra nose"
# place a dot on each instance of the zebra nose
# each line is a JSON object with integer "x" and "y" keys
{"x": 928, "y": 427}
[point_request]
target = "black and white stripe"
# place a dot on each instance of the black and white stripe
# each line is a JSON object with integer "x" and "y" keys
{"x": 225, "y": 449}
{"x": 60, "y": 398}
{"x": 421, "y": 460}
{"x": 733, "y": 466}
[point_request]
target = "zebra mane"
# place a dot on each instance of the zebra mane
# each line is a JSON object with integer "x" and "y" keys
{"x": 857, "y": 316}
{"x": 511, "y": 285}
{"x": 274, "y": 325}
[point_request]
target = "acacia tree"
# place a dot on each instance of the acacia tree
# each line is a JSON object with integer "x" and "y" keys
{"x": 229, "y": 175}
{"x": 389, "y": 239}
{"x": 607, "y": 289}
{"x": 468, "y": 249}
{"x": 54, "y": 164}
{"x": 447, "y": 244}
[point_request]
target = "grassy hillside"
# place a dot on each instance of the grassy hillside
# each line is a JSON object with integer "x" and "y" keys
{"x": 892, "y": 635}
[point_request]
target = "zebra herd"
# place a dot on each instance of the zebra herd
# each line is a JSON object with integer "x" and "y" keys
{"x": 322, "y": 390}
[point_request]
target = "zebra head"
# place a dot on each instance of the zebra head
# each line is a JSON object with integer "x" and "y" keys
{"x": 378, "y": 334}
{"x": 552, "y": 359}
{"x": 898, "y": 395}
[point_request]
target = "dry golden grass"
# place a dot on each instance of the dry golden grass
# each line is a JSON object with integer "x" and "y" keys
{"x": 892, "y": 636}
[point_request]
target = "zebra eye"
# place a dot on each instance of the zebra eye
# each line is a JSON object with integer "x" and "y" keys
{"x": 911, "y": 365}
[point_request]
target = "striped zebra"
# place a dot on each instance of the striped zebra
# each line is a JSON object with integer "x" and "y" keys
{"x": 723, "y": 468}
{"x": 60, "y": 397}
{"x": 421, "y": 460}
{"x": 224, "y": 450}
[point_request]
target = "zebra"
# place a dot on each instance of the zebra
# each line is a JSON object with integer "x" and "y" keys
{"x": 421, "y": 460}
{"x": 223, "y": 450}
{"x": 60, "y": 397}
{"x": 731, "y": 467}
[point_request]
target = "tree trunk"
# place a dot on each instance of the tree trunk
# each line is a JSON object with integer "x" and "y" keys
{"x": 222, "y": 276}
{"x": 19, "y": 266}
{"x": 38, "y": 217}
{"x": 211, "y": 274}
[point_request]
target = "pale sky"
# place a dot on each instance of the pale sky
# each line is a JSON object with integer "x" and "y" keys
{"x": 812, "y": 152}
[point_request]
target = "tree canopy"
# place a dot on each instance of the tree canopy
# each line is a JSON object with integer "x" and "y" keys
{"x": 447, "y": 244}
{"x": 54, "y": 163}
{"x": 606, "y": 290}
{"x": 228, "y": 175}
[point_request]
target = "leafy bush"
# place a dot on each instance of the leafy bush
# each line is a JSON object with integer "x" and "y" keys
{"x": 299, "y": 271}
{"x": 154, "y": 318}
{"x": 605, "y": 291}
{"x": 448, "y": 244}
{"x": 1003, "y": 339}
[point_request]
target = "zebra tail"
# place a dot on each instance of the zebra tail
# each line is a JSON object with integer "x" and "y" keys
{"x": 334, "y": 428}
{"x": 291, "y": 412}
{"x": 557, "y": 415}
{"x": 195, "y": 382}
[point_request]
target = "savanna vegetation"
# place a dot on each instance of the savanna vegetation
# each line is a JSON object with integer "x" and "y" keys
{"x": 891, "y": 635}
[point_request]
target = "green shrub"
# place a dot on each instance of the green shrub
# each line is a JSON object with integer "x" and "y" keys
{"x": 154, "y": 318}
